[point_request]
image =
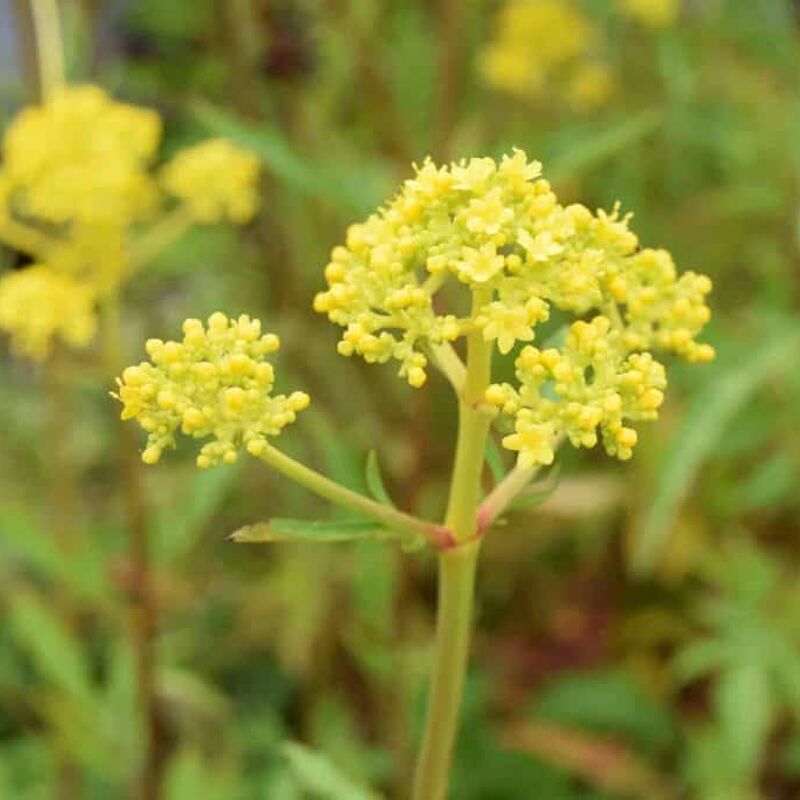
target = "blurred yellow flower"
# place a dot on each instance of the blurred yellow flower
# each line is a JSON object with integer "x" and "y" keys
{"x": 589, "y": 87}
{"x": 39, "y": 304}
{"x": 215, "y": 383}
{"x": 216, "y": 179}
{"x": 652, "y": 13}
{"x": 82, "y": 156}
{"x": 546, "y": 48}
{"x": 75, "y": 186}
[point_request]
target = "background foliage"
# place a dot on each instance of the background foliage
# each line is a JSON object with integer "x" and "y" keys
{"x": 638, "y": 631}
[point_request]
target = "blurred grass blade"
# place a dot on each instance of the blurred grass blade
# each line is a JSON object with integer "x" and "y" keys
{"x": 357, "y": 187}
{"x": 599, "y": 146}
{"x": 56, "y": 653}
{"x": 375, "y": 483}
{"x": 705, "y": 422}
{"x": 494, "y": 458}
{"x": 298, "y": 530}
{"x": 317, "y": 774}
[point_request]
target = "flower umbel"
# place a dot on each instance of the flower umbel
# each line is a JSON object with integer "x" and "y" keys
{"x": 498, "y": 230}
{"x": 215, "y": 384}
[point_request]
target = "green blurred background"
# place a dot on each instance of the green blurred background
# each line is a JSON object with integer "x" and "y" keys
{"x": 638, "y": 630}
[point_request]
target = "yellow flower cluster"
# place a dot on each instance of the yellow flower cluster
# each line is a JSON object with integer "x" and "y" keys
{"x": 545, "y": 49}
{"x": 39, "y": 303}
{"x": 216, "y": 180}
{"x": 76, "y": 179}
{"x": 499, "y": 229}
{"x": 216, "y": 383}
{"x": 652, "y": 13}
{"x": 81, "y": 157}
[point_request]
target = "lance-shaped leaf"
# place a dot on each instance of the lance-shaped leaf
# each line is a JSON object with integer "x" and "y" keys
{"x": 375, "y": 483}
{"x": 301, "y": 530}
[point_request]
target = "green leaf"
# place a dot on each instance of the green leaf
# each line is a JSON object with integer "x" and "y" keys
{"x": 539, "y": 492}
{"x": 744, "y": 703}
{"x": 299, "y": 530}
{"x": 358, "y": 188}
{"x": 606, "y": 702}
{"x": 494, "y": 458}
{"x": 704, "y": 424}
{"x": 180, "y": 524}
{"x": 54, "y": 650}
{"x": 319, "y": 775}
{"x": 375, "y": 483}
{"x": 597, "y": 147}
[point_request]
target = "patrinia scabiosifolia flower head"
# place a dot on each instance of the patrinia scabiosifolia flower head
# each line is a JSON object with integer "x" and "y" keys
{"x": 77, "y": 187}
{"x": 216, "y": 383}
{"x": 499, "y": 230}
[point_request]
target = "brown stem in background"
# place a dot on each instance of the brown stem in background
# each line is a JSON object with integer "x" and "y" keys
{"x": 242, "y": 43}
{"x": 63, "y": 507}
{"x": 377, "y": 91}
{"x": 451, "y": 28}
{"x": 29, "y": 63}
{"x": 144, "y": 622}
{"x": 143, "y": 607}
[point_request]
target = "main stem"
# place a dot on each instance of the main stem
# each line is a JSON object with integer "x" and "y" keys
{"x": 457, "y": 568}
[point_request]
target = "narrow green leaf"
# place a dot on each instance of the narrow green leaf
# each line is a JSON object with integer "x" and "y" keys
{"x": 375, "y": 483}
{"x": 539, "y": 492}
{"x": 599, "y": 146}
{"x": 298, "y": 530}
{"x": 494, "y": 458}
{"x": 320, "y": 775}
{"x": 56, "y": 653}
{"x": 745, "y": 705}
{"x": 340, "y": 184}
{"x": 704, "y": 424}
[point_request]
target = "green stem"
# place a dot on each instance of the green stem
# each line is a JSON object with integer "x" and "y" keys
{"x": 457, "y": 569}
{"x": 49, "y": 45}
{"x": 456, "y": 587}
{"x": 162, "y": 235}
{"x": 502, "y": 494}
{"x": 437, "y": 535}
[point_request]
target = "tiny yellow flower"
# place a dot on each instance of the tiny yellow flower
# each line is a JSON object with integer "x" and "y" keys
{"x": 216, "y": 179}
{"x": 216, "y": 383}
{"x": 39, "y": 305}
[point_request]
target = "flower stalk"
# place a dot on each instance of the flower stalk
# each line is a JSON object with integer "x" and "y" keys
{"x": 457, "y": 568}
{"x": 438, "y": 536}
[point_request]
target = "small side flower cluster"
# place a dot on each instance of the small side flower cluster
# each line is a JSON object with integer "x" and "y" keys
{"x": 498, "y": 229}
{"x": 547, "y": 50}
{"x": 76, "y": 181}
{"x": 215, "y": 384}
{"x": 651, "y": 13}
{"x": 40, "y": 302}
{"x": 216, "y": 180}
